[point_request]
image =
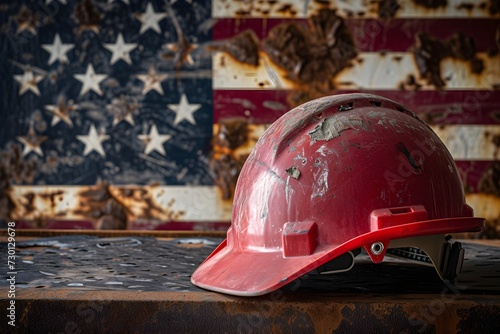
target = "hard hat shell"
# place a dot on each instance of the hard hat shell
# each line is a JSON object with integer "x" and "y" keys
{"x": 332, "y": 175}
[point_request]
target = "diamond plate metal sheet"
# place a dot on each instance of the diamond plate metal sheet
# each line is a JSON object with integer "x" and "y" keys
{"x": 148, "y": 264}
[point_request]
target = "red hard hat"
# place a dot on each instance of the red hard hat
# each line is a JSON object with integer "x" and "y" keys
{"x": 330, "y": 177}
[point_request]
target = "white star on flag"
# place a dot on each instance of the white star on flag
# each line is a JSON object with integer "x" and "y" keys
{"x": 28, "y": 81}
{"x": 26, "y": 20}
{"x": 182, "y": 51}
{"x": 93, "y": 141}
{"x": 61, "y": 111}
{"x": 184, "y": 110}
{"x": 121, "y": 50}
{"x": 152, "y": 81}
{"x": 150, "y": 19}
{"x": 90, "y": 80}
{"x": 154, "y": 141}
{"x": 57, "y": 50}
{"x": 127, "y": 118}
{"x": 122, "y": 108}
{"x": 32, "y": 142}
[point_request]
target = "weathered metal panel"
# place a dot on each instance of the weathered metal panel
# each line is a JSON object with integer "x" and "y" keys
{"x": 354, "y": 8}
{"x": 371, "y": 70}
{"x": 159, "y": 141}
{"x": 113, "y": 207}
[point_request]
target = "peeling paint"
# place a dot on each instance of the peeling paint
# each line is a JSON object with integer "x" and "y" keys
{"x": 356, "y": 9}
{"x": 323, "y": 150}
{"x": 311, "y": 56}
{"x": 244, "y": 47}
{"x": 300, "y": 158}
{"x": 88, "y": 16}
{"x": 430, "y": 51}
{"x": 294, "y": 172}
{"x": 13, "y": 169}
{"x": 226, "y": 163}
{"x": 331, "y": 127}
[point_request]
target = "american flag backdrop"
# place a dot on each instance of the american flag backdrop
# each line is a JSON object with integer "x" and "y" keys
{"x": 139, "y": 114}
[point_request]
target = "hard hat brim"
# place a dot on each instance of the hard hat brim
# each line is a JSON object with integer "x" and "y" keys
{"x": 254, "y": 272}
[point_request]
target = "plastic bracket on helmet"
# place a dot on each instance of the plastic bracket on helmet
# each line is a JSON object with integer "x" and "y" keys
{"x": 382, "y": 218}
{"x": 299, "y": 238}
{"x": 468, "y": 211}
{"x": 389, "y": 217}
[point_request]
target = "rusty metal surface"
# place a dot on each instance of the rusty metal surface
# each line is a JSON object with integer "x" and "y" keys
{"x": 84, "y": 284}
{"x": 190, "y": 312}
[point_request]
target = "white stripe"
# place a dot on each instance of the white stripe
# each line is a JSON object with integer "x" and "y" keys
{"x": 179, "y": 203}
{"x": 470, "y": 142}
{"x": 352, "y": 8}
{"x": 229, "y": 73}
{"x": 465, "y": 142}
{"x": 486, "y": 206}
{"x": 373, "y": 71}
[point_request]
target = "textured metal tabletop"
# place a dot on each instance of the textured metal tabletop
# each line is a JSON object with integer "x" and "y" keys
{"x": 137, "y": 284}
{"x": 149, "y": 264}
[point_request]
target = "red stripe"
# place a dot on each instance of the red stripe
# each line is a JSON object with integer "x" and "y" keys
{"x": 436, "y": 107}
{"x": 396, "y": 35}
{"x": 56, "y": 224}
{"x": 134, "y": 225}
{"x": 258, "y": 106}
{"x": 472, "y": 174}
{"x": 183, "y": 226}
